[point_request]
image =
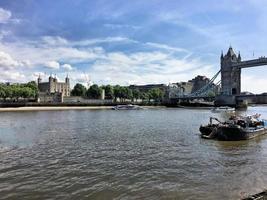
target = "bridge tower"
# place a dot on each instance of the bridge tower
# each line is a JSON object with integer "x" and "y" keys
{"x": 230, "y": 75}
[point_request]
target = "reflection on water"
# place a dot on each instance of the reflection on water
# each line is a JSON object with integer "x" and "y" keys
{"x": 144, "y": 154}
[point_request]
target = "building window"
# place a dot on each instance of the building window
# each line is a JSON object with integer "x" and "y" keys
{"x": 233, "y": 91}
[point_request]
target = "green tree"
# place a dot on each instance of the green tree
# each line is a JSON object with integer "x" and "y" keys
{"x": 78, "y": 90}
{"x": 33, "y": 87}
{"x": 156, "y": 94}
{"x": 15, "y": 91}
{"x": 144, "y": 96}
{"x": 2, "y": 91}
{"x": 124, "y": 93}
{"x": 117, "y": 92}
{"x": 27, "y": 92}
{"x": 8, "y": 92}
{"x": 136, "y": 94}
{"x": 128, "y": 93}
{"x": 109, "y": 91}
{"x": 94, "y": 92}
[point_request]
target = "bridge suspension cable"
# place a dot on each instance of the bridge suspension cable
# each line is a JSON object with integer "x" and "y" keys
{"x": 218, "y": 83}
{"x": 206, "y": 87}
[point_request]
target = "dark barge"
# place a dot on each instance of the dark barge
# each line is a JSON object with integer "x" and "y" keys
{"x": 236, "y": 128}
{"x": 258, "y": 196}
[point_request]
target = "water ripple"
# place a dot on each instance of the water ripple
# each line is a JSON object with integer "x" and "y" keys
{"x": 151, "y": 154}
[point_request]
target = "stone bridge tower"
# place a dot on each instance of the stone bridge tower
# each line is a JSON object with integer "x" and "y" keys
{"x": 230, "y": 75}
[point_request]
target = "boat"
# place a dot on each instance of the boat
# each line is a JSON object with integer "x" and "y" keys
{"x": 127, "y": 107}
{"x": 223, "y": 109}
{"x": 258, "y": 196}
{"x": 235, "y": 128}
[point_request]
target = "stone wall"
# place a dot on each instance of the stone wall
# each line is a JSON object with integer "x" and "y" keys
{"x": 78, "y": 99}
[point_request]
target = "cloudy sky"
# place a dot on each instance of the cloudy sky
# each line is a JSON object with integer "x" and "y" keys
{"x": 130, "y": 42}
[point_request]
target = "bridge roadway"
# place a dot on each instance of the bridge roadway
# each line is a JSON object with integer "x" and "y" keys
{"x": 185, "y": 98}
{"x": 253, "y": 98}
{"x": 250, "y": 99}
{"x": 251, "y": 63}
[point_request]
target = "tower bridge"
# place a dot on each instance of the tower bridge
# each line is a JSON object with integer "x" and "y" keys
{"x": 251, "y": 63}
{"x": 230, "y": 94}
{"x": 231, "y": 65}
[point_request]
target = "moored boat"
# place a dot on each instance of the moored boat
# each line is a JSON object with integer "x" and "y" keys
{"x": 223, "y": 109}
{"x": 258, "y": 196}
{"x": 127, "y": 107}
{"x": 236, "y": 128}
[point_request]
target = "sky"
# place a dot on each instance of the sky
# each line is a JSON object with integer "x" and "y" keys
{"x": 130, "y": 42}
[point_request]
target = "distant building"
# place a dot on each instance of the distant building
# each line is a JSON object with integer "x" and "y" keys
{"x": 146, "y": 88}
{"x": 199, "y": 82}
{"x": 53, "y": 86}
{"x": 180, "y": 89}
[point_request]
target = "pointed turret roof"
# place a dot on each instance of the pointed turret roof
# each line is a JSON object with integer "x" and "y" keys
{"x": 239, "y": 57}
{"x": 230, "y": 52}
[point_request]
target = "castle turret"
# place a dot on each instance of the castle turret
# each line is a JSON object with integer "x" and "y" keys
{"x": 55, "y": 78}
{"x": 221, "y": 56}
{"x": 67, "y": 80}
{"x": 239, "y": 57}
{"x": 50, "y": 79}
{"x": 39, "y": 80}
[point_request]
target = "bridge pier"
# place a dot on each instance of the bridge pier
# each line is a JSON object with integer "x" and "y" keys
{"x": 231, "y": 101}
{"x": 242, "y": 103}
{"x": 225, "y": 100}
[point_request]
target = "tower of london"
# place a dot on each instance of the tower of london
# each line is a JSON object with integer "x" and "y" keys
{"x": 53, "y": 86}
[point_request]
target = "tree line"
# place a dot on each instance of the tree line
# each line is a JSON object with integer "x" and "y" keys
{"x": 117, "y": 92}
{"x": 16, "y": 91}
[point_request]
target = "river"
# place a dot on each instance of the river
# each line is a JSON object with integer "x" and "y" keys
{"x": 139, "y": 154}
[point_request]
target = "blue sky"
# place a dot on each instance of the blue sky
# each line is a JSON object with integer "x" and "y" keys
{"x": 130, "y": 42}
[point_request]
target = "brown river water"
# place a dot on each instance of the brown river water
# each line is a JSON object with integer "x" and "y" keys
{"x": 134, "y": 154}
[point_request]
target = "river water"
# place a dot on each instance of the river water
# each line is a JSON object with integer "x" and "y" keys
{"x": 143, "y": 154}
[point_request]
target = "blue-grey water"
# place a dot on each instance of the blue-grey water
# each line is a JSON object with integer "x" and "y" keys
{"x": 143, "y": 154}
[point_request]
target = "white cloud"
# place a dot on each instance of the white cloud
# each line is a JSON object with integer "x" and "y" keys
{"x": 54, "y": 41}
{"x": 163, "y": 46}
{"x": 67, "y": 67}
{"x": 120, "y": 26}
{"x": 254, "y": 84}
{"x": 147, "y": 67}
{"x": 37, "y": 74}
{"x": 12, "y": 76}
{"x": 161, "y": 64}
{"x": 78, "y": 77}
{"x": 5, "y": 15}
{"x": 4, "y": 33}
{"x": 57, "y": 48}
{"x": 35, "y": 54}
{"x": 52, "y": 65}
{"x": 7, "y": 62}
{"x": 102, "y": 40}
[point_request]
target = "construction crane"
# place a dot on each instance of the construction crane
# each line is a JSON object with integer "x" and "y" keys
{"x": 87, "y": 79}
